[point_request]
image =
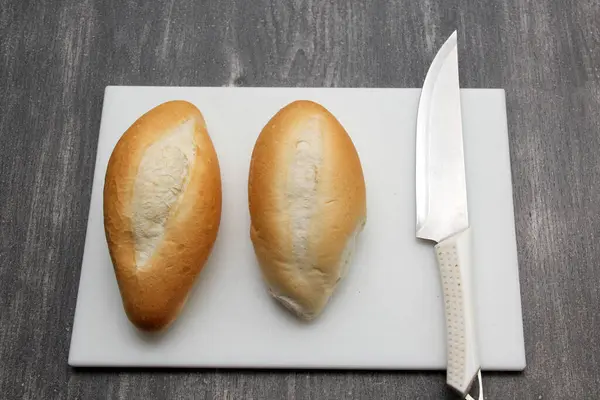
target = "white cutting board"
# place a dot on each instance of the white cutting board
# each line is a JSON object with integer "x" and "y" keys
{"x": 386, "y": 314}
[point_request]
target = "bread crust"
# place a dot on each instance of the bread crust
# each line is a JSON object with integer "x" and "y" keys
{"x": 154, "y": 294}
{"x": 307, "y": 203}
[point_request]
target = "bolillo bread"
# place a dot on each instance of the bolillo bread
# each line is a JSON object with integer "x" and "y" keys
{"x": 307, "y": 204}
{"x": 162, "y": 211}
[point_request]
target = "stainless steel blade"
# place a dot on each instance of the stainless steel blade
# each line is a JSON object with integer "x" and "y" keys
{"x": 440, "y": 172}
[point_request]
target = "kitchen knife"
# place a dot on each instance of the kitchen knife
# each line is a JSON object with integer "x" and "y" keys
{"x": 442, "y": 212}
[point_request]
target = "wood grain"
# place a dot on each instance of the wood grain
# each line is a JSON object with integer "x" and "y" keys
{"x": 56, "y": 57}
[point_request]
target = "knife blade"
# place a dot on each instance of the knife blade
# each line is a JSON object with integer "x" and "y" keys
{"x": 442, "y": 210}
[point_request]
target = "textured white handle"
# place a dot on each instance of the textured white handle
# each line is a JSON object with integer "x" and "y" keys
{"x": 454, "y": 259}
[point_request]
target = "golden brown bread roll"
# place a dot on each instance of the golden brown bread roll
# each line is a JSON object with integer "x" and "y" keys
{"x": 307, "y": 205}
{"x": 162, "y": 211}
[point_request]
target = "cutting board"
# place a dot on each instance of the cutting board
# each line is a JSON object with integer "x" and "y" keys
{"x": 386, "y": 314}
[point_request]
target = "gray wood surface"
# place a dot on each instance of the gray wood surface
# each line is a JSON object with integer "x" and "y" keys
{"x": 56, "y": 57}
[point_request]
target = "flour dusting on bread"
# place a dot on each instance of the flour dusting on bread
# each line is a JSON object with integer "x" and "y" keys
{"x": 161, "y": 181}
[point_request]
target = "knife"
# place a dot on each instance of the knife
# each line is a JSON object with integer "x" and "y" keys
{"x": 442, "y": 211}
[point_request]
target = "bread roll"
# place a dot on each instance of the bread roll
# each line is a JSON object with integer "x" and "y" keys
{"x": 307, "y": 205}
{"x": 162, "y": 211}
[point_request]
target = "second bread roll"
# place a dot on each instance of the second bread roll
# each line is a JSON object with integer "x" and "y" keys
{"x": 307, "y": 204}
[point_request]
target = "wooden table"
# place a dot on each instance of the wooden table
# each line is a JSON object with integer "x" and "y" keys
{"x": 56, "y": 57}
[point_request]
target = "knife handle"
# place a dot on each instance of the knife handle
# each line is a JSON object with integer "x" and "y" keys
{"x": 454, "y": 260}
